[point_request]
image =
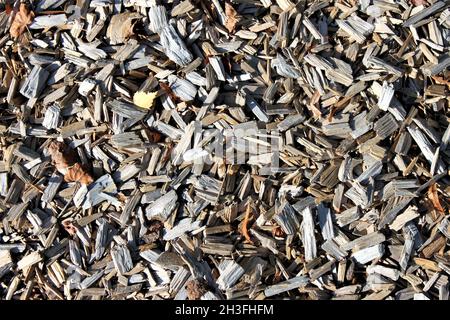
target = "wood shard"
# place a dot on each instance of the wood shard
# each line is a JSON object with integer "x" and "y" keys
{"x": 224, "y": 150}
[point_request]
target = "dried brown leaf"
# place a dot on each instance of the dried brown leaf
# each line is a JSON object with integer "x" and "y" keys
{"x": 434, "y": 198}
{"x": 278, "y": 232}
{"x": 169, "y": 92}
{"x": 62, "y": 157}
{"x": 154, "y": 230}
{"x": 196, "y": 289}
{"x": 245, "y": 223}
{"x": 441, "y": 80}
{"x": 231, "y": 14}
{"x": 121, "y": 27}
{"x": 66, "y": 162}
{"x": 77, "y": 173}
{"x": 20, "y": 21}
{"x": 69, "y": 226}
{"x": 154, "y": 136}
{"x": 167, "y": 151}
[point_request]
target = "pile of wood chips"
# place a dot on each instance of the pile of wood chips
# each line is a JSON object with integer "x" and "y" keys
{"x": 224, "y": 149}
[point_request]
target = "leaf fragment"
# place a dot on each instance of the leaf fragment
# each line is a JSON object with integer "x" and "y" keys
{"x": 144, "y": 99}
{"x": 21, "y": 20}
{"x": 433, "y": 196}
{"x": 245, "y": 223}
{"x": 65, "y": 161}
{"x": 232, "y": 20}
{"x": 121, "y": 27}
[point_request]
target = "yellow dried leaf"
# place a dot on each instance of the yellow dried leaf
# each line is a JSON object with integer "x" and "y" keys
{"x": 144, "y": 99}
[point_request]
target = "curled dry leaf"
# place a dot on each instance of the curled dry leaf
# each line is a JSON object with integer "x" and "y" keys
{"x": 121, "y": 197}
{"x": 434, "y": 198}
{"x": 144, "y": 100}
{"x": 121, "y": 27}
{"x": 154, "y": 136}
{"x": 276, "y": 277}
{"x": 20, "y": 21}
{"x": 245, "y": 224}
{"x": 441, "y": 80}
{"x": 278, "y": 232}
{"x": 167, "y": 152}
{"x": 69, "y": 227}
{"x": 196, "y": 289}
{"x": 231, "y": 14}
{"x": 78, "y": 173}
{"x": 62, "y": 156}
{"x": 155, "y": 226}
{"x": 154, "y": 230}
{"x": 65, "y": 161}
{"x": 169, "y": 92}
